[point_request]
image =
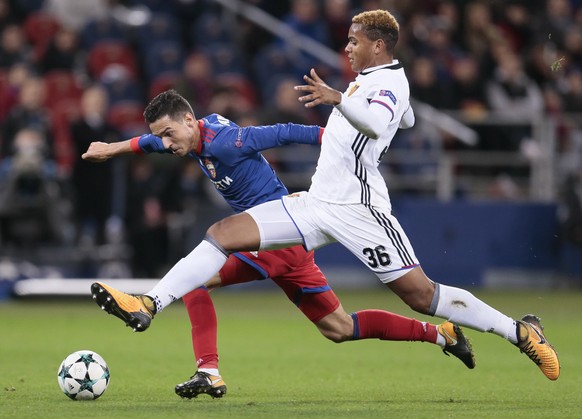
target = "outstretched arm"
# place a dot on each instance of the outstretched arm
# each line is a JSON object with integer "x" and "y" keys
{"x": 369, "y": 119}
{"x": 99, "y": 152}
{"x": 318, "y": 92}
{"x": 147, "y": 143}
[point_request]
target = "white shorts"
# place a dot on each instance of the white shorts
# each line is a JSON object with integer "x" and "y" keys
{"x": 373, "y": 235}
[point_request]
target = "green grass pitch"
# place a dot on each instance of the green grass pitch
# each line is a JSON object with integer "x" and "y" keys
{"x": 276, "y": 364}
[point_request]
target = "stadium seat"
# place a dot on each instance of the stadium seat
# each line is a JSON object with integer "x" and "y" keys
{"x": 61, "y": 85}
{"x": 40, "y": 28}
{"x": 161, "y": 27}
{"x": 164, "y": 57}
{"x": 161, "y": 83}
{"x": 123, "y": 90}
{"x": 7, "y": 97}
{"x": 225, "y": 58}
{"x": 127, "y": 118}
{"x": 120, "y": 85}
{"x": 208, "y": 30}
{"x": 240, "y": 84}
{"x": 101, "y": 30}
{"x": 272, "y": 60}
{"x": 105, "y": 53}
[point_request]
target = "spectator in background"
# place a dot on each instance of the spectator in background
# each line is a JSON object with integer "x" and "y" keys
{"x": 573, "y": 91}
{"x": 425, "y": 86}
{"x": 570, "y": 217}
{"x": 449, "y": 13}
{"x": 9, "y": 95}
{"x": 28, "y": 113}
{"x": 196, "y": 83}
{"x": 515, "y": 26}
{"x": 284, "y": 105}
{"x": 13, "y": 46}
{"x": 539, "y": 63}
{"x": 512, "y": 93}
{"x": 6, "y": 15}
{"x": 62, "y": 52}
{"x": 467, "y": 90}
{"x": 480, "y": 33}
{"x": 146, "y": 219}
{"x": 439, "y": 49}
{"x": 551, "y": 25}
{"x": 306, "y": 18}
{"x": 337, "y": 15}
{"x": 573, "y": 46}
{"x": 92, "y": 183}
{"x": 28, "y": 162}
{"x": 229, "y": 103}
{"x": 28, "y": 192}
{"x": 467, "y": 95}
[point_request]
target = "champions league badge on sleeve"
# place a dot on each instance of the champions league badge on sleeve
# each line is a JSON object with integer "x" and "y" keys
{"x": 238, "y": 143}
{"x": 389, "y": 94}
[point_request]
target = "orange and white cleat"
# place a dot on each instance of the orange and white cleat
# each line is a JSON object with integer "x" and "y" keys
{"x": 532, "y": 341}
{"x": 457, "y": 344}
{"x": 132, "y": 309}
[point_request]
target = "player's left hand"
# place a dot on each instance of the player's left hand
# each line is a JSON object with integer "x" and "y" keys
{"x": 319, "y": 93}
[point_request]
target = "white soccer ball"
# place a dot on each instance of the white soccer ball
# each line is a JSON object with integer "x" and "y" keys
{"x": 83, "y": 375}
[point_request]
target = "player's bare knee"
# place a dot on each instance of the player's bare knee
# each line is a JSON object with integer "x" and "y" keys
{"x": 216, "y": 231}
{"x": 420, "y": 301}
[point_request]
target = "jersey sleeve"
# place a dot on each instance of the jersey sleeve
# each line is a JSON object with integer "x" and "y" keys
{"x": 148, "y": 143}
{"x": 372, "y": 116}
{"x": 408, "y": 118}
{"x": 269, "y": 136}
{"x": 236, "y": 144}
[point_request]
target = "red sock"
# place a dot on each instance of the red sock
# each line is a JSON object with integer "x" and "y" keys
{"x": 203, "y": 319}
{"x": 378, "y": 324}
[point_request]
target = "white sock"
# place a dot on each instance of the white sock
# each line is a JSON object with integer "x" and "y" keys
{"x": 211, "y": 371}
{"x": 189, "y": 273}
{"x": 461, "y": 307}
{"x": 441, "y": 341}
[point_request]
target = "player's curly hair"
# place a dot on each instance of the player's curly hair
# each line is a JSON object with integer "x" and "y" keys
{"x": 379, "y": 24}
{"x": 169, "y": 103}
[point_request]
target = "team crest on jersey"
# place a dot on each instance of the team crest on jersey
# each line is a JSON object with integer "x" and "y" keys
{"x": 210, "y": 168}
{"x": 353, "y": 89}
{"x": 389, "y": 94}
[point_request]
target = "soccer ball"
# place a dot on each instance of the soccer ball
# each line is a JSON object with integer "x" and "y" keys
{"x": 83, "y": 375}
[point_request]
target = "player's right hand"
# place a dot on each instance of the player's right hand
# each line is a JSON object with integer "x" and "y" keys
{"x": 97, "y": 152}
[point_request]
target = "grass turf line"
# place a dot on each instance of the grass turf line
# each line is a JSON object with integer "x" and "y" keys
{"x": 275, "y": 363}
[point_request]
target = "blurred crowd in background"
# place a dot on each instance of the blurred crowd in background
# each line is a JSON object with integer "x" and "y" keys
{"x": 76, "y": 71}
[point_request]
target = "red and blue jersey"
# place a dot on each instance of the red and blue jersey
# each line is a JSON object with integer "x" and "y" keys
{"x": 230, "y": 156}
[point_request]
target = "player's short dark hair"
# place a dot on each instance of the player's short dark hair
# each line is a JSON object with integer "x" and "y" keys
{"x": 379, "y": 24}
{"x": 169, "y": 103}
